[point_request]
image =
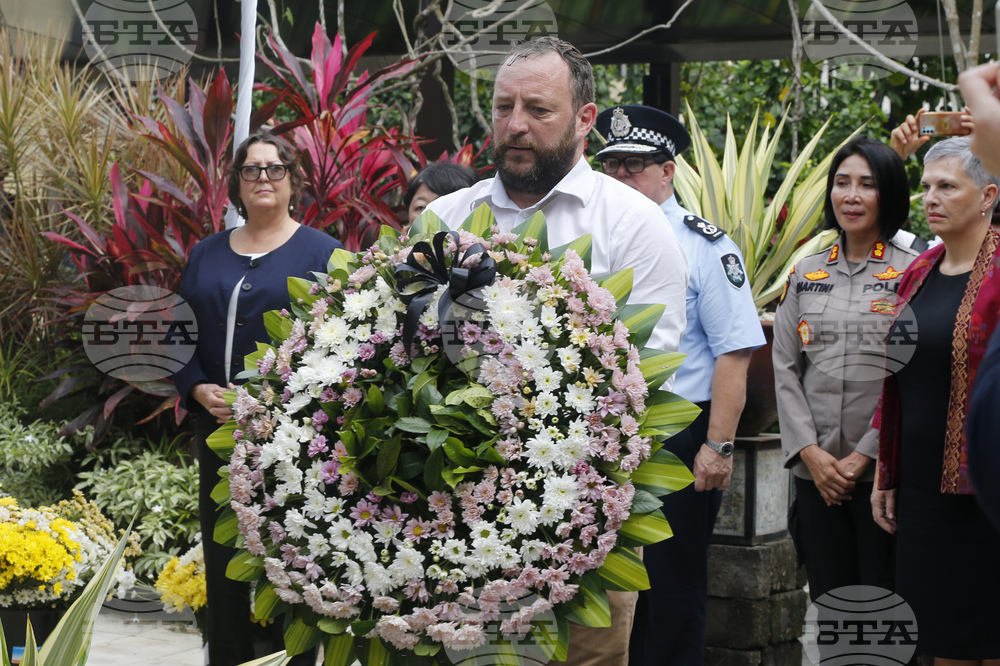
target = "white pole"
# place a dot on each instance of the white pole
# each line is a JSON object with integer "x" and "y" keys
{"x": 244, "y": 91}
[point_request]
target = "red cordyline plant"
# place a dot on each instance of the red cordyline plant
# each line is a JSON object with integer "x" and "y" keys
{"x": 352, "y": 170}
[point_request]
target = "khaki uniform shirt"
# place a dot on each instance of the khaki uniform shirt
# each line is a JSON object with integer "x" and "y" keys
{"x": 830, "y": 350}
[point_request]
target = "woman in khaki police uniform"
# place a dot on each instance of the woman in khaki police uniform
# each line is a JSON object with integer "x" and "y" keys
{"x": 829, "y": 362}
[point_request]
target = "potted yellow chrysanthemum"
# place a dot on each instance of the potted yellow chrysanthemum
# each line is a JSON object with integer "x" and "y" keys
{"x": 48, "y": 555}
{"x": 181, "y": 585}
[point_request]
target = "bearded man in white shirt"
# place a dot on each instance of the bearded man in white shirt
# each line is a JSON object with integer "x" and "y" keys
{"x": 543, "y": 110}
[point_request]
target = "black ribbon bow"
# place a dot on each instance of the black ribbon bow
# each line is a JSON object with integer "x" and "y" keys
{"x": 460, "y": 280}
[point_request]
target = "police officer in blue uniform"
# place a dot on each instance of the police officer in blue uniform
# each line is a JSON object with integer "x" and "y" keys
{"x": 722, "y": 330}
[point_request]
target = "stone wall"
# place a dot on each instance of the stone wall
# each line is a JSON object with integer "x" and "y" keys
{"x": 756, "y": 605}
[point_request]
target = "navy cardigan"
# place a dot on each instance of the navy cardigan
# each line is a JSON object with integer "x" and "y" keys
{"x": 213, "y": 270}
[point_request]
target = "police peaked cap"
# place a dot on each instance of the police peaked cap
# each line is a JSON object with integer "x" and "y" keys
{"x": 641, "y": 130}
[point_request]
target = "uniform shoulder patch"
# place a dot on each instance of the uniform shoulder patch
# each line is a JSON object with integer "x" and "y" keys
{"x": 735, "y": 273}
{"x": 703, "y": 227}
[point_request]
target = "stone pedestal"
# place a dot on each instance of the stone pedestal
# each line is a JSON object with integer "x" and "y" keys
{"x": 756, "y": 605}
{"x": 755, "y": 506}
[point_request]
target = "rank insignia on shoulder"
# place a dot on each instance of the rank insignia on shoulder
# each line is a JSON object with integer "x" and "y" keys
{"x": 834, "y": 253}
{"x": 784, "y": 291}
{"x": 804, "y": 332}
{"x": 884, "y": 306}
{"x": 816, "y": 275}
{"x": 734, "y": 270}
{"x": 889, "y": 274}
{"x": 706, "y": 229}
{"x": 878, "y": 250}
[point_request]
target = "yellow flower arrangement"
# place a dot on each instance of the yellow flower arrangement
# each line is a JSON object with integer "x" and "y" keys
{"x": 48, "y": 553}
{"x": 181, "y": 584}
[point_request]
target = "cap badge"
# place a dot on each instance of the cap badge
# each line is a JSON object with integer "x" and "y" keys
{"x": 620, "y": 124}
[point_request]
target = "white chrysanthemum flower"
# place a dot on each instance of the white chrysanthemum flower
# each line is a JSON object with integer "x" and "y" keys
{"x": 531, "y": 329}
{"x": 454, "y": 550}
{"x": 580, "y": 398}
{"x": 546, "y": 404}
{"x": 531, "y": 551}
{"x": 333, "y": 508}
{"x": 408, "y": 565}
{"x": 571, "y": 450}
{"x": 315, "y": 503}
{"x": 378, "y": 580}
{"x": 353, "y": 573}
{"x": 569, "y": 359}
{"x": 362, "y": 332}
{"x": 287, "y": 472}
{"x": 363, "y": 546}
{"x": 531, "y": 356}
{"x": 541, "y": 451}
{"x": 579, "y": 337}
{"x": 522, "y": 515}
{"x": 560, "y": 492}
{"x": 547, "y": 379}
{"x": 341, "y": 530}
{"x": 386, "y": 531}
{"x": 318, "y": 545}
{"x": 486, "y": 551}
{"x": 550, "y": 319}
{"x": 296, "y": 524}
{"x": 332, "y": 333}
{"x": 297, "y": 402}
{"x": 483, "y": 530}
{"x": 549, "y": 515}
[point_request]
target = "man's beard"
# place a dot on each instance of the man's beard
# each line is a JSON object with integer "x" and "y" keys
{"x": 551, "y": 165}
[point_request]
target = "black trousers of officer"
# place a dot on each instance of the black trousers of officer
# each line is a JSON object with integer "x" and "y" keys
{"x": 841, "y": 544}
{"x": 230, "y": 631}
{"x": 669, "y": 626}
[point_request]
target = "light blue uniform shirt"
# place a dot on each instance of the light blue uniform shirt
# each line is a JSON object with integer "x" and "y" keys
{"x": 721, "y": 315}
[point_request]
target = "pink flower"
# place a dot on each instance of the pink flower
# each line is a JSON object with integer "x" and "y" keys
{"x": 408, "y": 497}
{"x": 418, "y": 530}
{"x": 317, "y": 446}
{"x": 443, "y": 529}
{"x": 393, "y": 514}
{"x": 364, "y": 513}
{"x": 352, "y": 396}
{"x": 439, "y": 501}
{"x": 329, "y": 472}
{"x": 319, "y": 418}
{"x": 348, "y": 484}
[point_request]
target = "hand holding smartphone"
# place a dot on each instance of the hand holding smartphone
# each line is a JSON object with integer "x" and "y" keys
{"x": 944, "y": 123}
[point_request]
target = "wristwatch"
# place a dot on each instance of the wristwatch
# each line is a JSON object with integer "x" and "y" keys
{"x": 724, "y": 449}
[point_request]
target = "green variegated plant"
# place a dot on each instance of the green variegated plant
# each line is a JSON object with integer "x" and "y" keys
{"x": 732, "y": 196}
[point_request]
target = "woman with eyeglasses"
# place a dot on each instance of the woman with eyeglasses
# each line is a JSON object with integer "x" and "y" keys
{"x": 231, "y": 279}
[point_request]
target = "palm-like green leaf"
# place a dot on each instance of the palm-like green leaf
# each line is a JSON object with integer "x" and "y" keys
{"x": 619, "y": 284}
{"x": 583, "y": 246}
{"x": 624, "y": 571}
{"x": 657, "y": 366}
{"x": 339, "y": 650}
{"x": 646, "y": 528}
{"x": 662, "y": 473}
{"x": 428, "y": 223}
{"x": 245, "y": 566}
{"x": 276, "y": 659}
{"x": 480, "y": 221}
{"x": 640, "y": 319}
{"x": 590, "y": 606}
{"x": 533, "y": 227}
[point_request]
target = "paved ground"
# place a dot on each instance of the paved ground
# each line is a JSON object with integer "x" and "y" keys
{"x": 122, "y": 638}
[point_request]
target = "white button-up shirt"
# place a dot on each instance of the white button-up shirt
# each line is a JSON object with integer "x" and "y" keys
{"x": 628, "y": 231}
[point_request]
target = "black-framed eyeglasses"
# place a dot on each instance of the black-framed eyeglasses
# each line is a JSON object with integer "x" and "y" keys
{"x": 632, "y": 164}
{"x": 251, "y": 173}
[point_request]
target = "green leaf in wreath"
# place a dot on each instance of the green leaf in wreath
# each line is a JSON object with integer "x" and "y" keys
{"x": 657, "y": 366}
{"x": 414, "y": 424}
{"x": 411, "y": 465}
{"x": 278, "y": 327}
{"x": 640, "y": 319}
{"x": 590, "y": 605}
{"x": 300, "y": 288}
{"x": 434, "y": 470}
{"x": 533, "y": 227}
{"x": 377, "y": 654}
{"x": 339, "y": 649}
{"x": 428, "y": 224}
{"x": 644, "y": 502}
{"x": 221, "y": 441}
{"x": 583, "y": 246}
{"x": 458, "y": 453}
{"x": 624, "y": 571}
{"x": 667, "y": 414}
{"x": 388, "y": 454}
{"x": 474, "y": 395}
{"x": 341, "y": 260}
{"x": 646, "y": 528}
{"x": 480, "y": 221}
{"x": 451, "y": 477}
{"x": 266, "y": 603}
{"x": 426, "y": 648}
{"x": 619, "y": 284}
{"x": 227, "y": 528}
{"x": 662, "y": 473}
{"x": 436, "y": 437}
{"x": 300, "y": 636}
{"x": 375, "y": 400}
{"x": 244, "y": 566}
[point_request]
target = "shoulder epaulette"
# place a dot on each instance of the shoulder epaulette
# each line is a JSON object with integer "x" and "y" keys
{"x": 703, "y": 227}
